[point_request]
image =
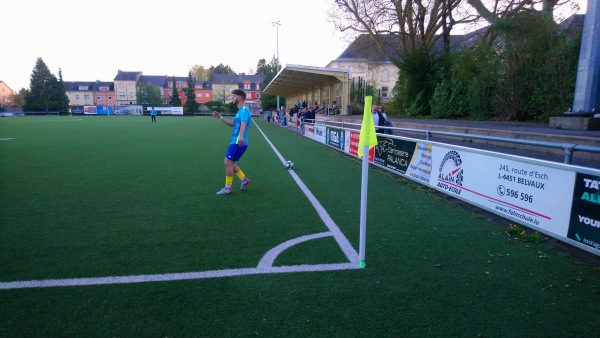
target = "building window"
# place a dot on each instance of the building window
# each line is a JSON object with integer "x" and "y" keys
{"x": 100, "y": 97}
{"x": 246, "y": 85}
{"x": 76, "y": 97}
{"x": 110, "y": 97}
{"x": 206, "y": 95}
{"x": 384, "y": 91}
{"x": 385, "y": 76}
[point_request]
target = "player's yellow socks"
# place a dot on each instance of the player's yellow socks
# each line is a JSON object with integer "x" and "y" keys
{"x": 228, "y": 181}
{"x": 240, "y": 174}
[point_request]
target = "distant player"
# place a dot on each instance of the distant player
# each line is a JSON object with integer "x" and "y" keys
{"x": 153, "y": 114}
{"x": 238, "y": 143}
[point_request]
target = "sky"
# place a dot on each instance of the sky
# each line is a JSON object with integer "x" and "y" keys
{"x": 92, "y": 40}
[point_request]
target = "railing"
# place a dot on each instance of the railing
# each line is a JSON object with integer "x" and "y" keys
{"x": 567, "y": 148}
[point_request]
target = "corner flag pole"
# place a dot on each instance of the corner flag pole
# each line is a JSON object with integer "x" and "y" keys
{"x": 367, "y": 140}
{"x": 363, "y": 206}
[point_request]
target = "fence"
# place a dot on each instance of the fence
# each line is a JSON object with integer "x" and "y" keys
{"x": 556, "y": 199}
{"x": 568, "y": 149}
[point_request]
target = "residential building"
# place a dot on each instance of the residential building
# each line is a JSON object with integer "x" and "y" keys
{"x": 6, "y": 94}
{"x": 366, "y": 63}
{"x": 204, "y": 91}
{"x": 180, "y": 84}
{"x": 80, "y": 93}
{"x": 104, "y": 93}
{"x": 97, "y": 93}
{"x": 224, "y": 84}
{"x": 126, "y": 86}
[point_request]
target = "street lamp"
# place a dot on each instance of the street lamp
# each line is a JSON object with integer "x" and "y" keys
{"x": 277, "y": 24}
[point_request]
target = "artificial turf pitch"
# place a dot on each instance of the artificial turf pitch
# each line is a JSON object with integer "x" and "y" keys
{"x": 118, "y": 196}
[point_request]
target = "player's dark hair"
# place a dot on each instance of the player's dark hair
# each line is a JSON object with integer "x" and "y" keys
{"x": 240, "y": 93}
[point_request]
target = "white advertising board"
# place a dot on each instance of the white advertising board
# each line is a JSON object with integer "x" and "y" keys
{"x": 320, "y": 133}
{"x": 533, "y": 194}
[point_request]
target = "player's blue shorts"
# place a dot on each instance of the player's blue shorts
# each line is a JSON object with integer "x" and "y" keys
{"x": 235, "y": 152}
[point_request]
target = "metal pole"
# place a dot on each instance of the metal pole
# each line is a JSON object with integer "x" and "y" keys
{"x": 364, "y": 187}
{"x": 568, "y": 154}
{"x": 277, "y": 24}
{"x": 587, "y": 86}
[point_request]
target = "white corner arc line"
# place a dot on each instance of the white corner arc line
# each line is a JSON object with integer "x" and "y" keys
{"x": 269, "y": 258}
{"x": 341, "y": 239}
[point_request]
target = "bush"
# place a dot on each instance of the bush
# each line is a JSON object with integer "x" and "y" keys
{"x": 450, "y": 100}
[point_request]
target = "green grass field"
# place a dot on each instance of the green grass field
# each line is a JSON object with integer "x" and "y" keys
{"x": 95, "y": 197}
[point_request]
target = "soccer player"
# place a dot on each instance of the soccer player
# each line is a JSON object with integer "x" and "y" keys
{"x": 153, "y": 114}
{"x": 238, "y": 143}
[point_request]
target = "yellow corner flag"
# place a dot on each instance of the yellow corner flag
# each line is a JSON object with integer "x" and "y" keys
{"x": 368, "y": 135}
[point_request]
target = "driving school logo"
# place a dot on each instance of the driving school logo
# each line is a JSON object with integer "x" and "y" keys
{"x": 450, "y": 173}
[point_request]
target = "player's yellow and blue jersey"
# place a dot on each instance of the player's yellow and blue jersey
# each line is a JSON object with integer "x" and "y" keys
{"x": 243, "y": 115}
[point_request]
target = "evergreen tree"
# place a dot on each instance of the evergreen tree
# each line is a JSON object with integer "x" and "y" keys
{"x": 220, "y": 69}
{"x": 191, "y": 106}
{"x": 175, "y": 99}
{"x": 46, "y": 91}
{"x": 269, "y": 71}
{"x": 261, "y": 67}
{"x": 38, "y": 98}
{"x": 62, "y": 98}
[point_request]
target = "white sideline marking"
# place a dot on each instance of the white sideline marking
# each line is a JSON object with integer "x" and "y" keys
{"x": 265, "y": 266}
{"x": 168, "y": 277}
{"x": 6, "y": 139}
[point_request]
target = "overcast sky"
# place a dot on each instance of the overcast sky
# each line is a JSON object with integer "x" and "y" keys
{"x": 86, "y": 39}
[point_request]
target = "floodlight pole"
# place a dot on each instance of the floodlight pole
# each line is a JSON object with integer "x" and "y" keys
{"x": 277, "y": 24}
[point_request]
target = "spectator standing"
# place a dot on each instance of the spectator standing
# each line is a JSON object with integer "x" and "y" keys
{"x": 378, "y": 119}
{"x": 386, "y": 121}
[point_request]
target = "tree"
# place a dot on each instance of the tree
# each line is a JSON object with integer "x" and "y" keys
{"x": 220, "y": 69}
{"x": 148, "y": 95}
{"x": 200, "y": 73}
{"x": 215, "y": 105}
{"x": 397, "y": 28}
{"x": 405, "y": 33}
{"x": 221, "y": 93}
{"x": 19, "y": 97}
{"x": 175, "y": 99}
{"x": 62, "y": 100}
{"x": 46, "y": 91}
{"x": 261, "y": 67}
{"x": 269, "y": 102}
{"x": 502, "y": 8}
{"x": 191, "y": 106}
